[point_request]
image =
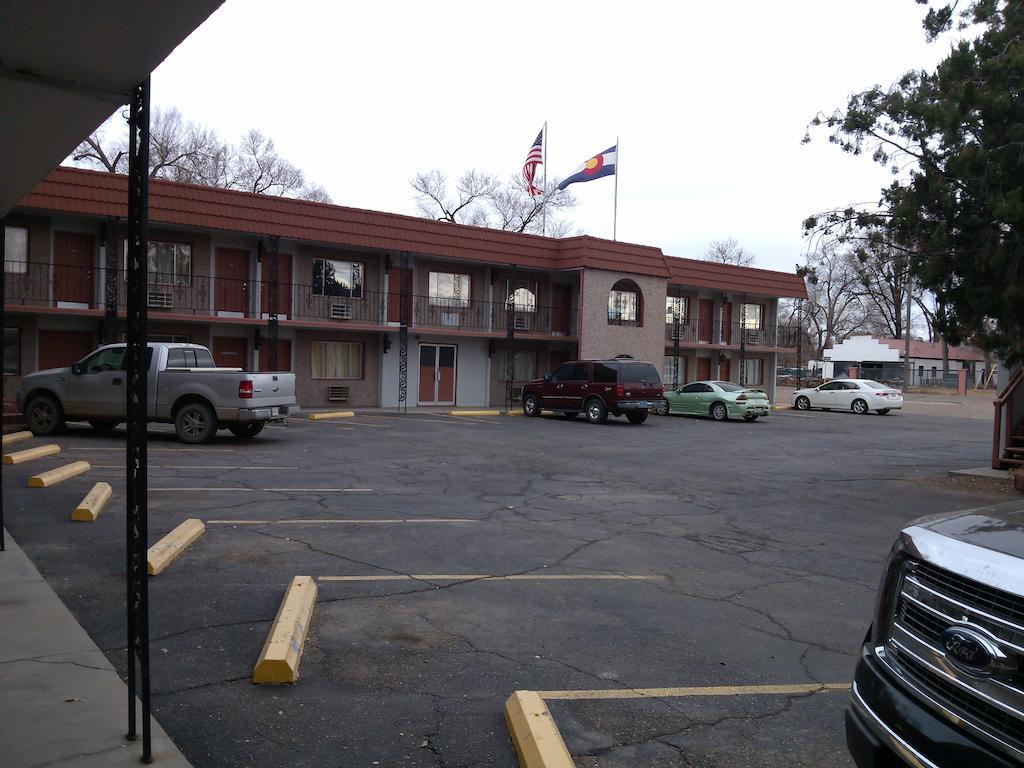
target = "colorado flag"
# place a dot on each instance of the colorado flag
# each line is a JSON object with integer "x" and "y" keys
{"x": 602, "y": 164}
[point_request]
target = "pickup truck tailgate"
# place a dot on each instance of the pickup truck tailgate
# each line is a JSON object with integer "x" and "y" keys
{"x": 269, "y": 389}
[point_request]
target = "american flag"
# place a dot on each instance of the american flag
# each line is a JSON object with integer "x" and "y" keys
{"x": 534, "y": 158}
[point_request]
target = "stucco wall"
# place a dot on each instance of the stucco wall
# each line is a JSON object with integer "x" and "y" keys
{"x": 599, "y": 339}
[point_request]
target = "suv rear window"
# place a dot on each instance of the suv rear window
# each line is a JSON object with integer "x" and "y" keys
{"x": 638, "y": 373}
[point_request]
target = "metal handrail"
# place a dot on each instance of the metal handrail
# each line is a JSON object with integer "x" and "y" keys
{"x": 1004, "y": 411}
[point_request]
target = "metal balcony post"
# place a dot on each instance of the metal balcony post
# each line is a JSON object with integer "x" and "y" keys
{"x": 272, "y": 306}
{"x": 675, "y": 344}
{"x": 743, "y": 339}
{"x": 109, "y": 239}
{"x": 799, "y": 339}
{"x": 510, "y": 332}
{"x": 403, "y": 332}
{"x": 137, "y": 366}
{"x": 3, "y": 324}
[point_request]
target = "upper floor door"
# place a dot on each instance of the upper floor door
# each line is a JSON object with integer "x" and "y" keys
{"x": 396, "y": 282}
{"x": 561, "y": 309}
{"x": 232, "y": 281}
{"x": 727, "y": 323}
{"x": 284, "y": 285}
{"x": 73, "y": 266}
{"x": 706, "y": 321}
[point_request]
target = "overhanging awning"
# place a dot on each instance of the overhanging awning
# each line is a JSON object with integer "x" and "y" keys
{"x": 66, "y": 65}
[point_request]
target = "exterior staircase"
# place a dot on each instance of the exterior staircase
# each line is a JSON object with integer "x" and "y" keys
{"x": 1008, "y": 429}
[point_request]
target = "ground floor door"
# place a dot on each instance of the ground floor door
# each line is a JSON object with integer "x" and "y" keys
{"x": 73, "y": 254}
{"x": 284, "y": 355}
{"x": 725, "y": 369}
{"x": 58, "y": 349}
{"x": 703, "y": 368}
{"x": 437, "y": 374}
{"x": 230, "y": 351}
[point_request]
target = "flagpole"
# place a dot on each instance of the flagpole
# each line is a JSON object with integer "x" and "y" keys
{"x": 615, "y": 210}
{"x": 544, "y": 209}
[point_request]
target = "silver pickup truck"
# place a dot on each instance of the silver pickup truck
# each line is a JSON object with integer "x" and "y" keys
{"x": 940, "y": 681}
{"x": 185, "y": 388}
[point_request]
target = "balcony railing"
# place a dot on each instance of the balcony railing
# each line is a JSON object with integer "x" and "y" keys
{"x": 694, "y": 332}
{"x": 45, "y": 285}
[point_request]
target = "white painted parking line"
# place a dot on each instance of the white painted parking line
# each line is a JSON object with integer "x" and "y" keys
{"x": 187, "y": 466}
{"x": 490, "y": 577}
{"x": 319, "y": 490}
{"x": 227, "y": 490}
{"x": 446, "y": 420}
{"x": 381, "y": 521}
{"x": 716, "y": 690}
{"x": 495, "y": 420}
{"x": 154, "y": 450}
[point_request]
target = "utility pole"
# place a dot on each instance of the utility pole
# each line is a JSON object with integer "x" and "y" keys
{"x": 907, "y": 372}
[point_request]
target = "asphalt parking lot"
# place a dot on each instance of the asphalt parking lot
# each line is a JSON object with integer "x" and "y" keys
{"x": 751, "y": 551}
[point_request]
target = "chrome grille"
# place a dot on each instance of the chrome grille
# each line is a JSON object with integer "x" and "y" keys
{"x": 929, "y": 601}
{"x": 955, "y": 698}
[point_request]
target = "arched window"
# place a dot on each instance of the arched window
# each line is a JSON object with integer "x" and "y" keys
{"x": 625, "y": 304}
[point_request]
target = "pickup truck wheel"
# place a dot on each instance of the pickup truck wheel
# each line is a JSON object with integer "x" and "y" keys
{"x": 102, "y": 426}
{"x": 195, "y": 423}
{"x": 44, "y": 415}
{"x": 249, "y": 429}
{"x": 531, "y": 405}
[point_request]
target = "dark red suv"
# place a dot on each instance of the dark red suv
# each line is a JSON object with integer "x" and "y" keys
{"x": 597, "y": 387}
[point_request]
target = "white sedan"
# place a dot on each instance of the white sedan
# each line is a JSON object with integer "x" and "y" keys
{"x": 857, "y": 395}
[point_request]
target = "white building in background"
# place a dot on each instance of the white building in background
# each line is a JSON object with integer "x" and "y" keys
{"x": 881, "y": 358}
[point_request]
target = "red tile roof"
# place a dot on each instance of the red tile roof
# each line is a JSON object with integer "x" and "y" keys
{"x": 932, "y": 350}
{"x": 97, "y": 193}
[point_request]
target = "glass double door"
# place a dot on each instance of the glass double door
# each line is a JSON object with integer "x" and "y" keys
{"x": 437, "y": 374}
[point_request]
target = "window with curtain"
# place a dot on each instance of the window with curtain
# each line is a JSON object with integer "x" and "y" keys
{"x": 753, "y": 372}
{"x": 524, "y": 365}
{"x": 15, "y": 250}
{"x": 625, "y": 304}
{"x": 336, "y": 360}
{"x": 522, "y": 294}
{"x": 448, "y": 289}
{"x": 168, "y": 263}
{"x": 675, "y": 306}
{"x": 338, "y": 278}
{"x": 752, "y": 315}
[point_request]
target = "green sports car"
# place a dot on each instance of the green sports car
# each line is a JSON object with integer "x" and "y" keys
{"x": 717, "y": 399}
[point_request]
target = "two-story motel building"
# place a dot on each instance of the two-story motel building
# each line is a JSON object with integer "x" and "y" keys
{"x": 341, "y": 277}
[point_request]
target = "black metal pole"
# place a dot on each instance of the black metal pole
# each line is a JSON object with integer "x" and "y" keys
{"x": 510, "y": 333}
{"x": 3, "y": 326}
{"x": 743, "y": 339}
{"x": 799, "y": 339}
{"x": 109, "y": 238}
{"x": 403, "y": 331}
{"x": 137, "y": 372}
{"x": 675, "y": 343}
{"x": 272, "y": 299}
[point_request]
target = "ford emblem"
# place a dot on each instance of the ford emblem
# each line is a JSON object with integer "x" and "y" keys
{"x": 969, "y": 650}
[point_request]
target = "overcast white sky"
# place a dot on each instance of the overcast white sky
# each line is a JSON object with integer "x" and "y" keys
{"x": 710, "y": 101}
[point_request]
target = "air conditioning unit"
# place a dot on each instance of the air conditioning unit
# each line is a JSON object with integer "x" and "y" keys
{"x": 337, "y": 394}
{"x": 521, "y": 323}
{"x": 450, "y": 319}
{"x": 341, "y": 311}
{"x": 160, "y": 299}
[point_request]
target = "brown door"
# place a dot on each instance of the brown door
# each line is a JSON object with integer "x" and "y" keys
{"x": 561, "y": 309}
{"x": 232, "y": 281}
{"x": 394, "y": 294}
{"x": 284, "y": 355}
{"x": 284, "y": 286}
{"x": 705, "y": 321}
{"x": 59, "y": 349}
{"x": 230, "y": 351}
{"x": 725, "y": 369}
{"x": 727, "y": 323}
{"x": 703, "y": 368}
{"x": 437, "y": 374}
{"x": 73, "y": 255}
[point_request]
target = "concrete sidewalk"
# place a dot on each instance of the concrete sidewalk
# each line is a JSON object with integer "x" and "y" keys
{"x": 61, "y": 702}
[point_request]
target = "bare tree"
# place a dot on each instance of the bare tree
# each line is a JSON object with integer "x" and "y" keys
{"x": 481, "y": 199}
{"x": 834, "y": 309}
{"x": 182, "y": 150}
{"x": 728, "y": 252}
